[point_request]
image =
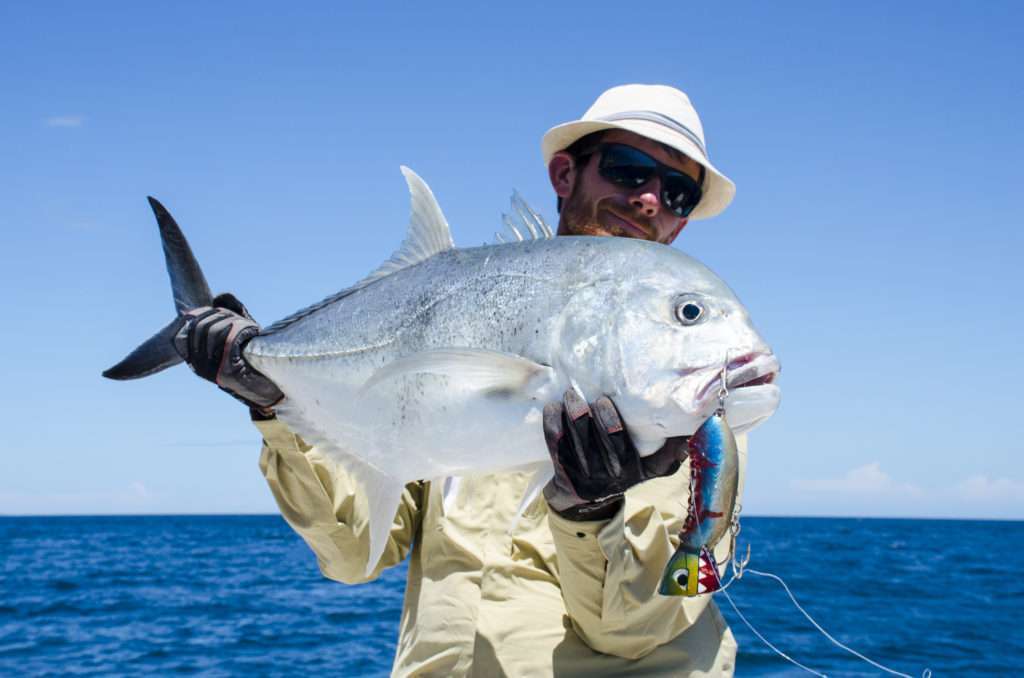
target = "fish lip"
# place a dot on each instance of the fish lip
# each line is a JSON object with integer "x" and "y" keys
{"x": 752, "y": 369}
{"x": 748, "y": 370}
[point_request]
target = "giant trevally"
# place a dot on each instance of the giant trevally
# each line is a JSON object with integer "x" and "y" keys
{"x": 439, "y": 363}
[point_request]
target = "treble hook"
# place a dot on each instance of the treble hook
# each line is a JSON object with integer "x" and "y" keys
{"x": 738, "y": 566}
{"x": 734, "y": 532}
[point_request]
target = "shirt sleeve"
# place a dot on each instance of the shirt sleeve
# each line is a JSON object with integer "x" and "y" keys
{"x": 320, "y": 502}
{"x": 610, "y": 571}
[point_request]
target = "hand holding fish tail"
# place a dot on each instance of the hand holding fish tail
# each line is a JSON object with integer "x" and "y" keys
{"x": 595, "y": 461}
{"x": 211, "y": 339}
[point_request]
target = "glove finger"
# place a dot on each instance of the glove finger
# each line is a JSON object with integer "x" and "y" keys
{"x": 197, "y": 334}
{"x": 197, "y": 311}
{"x": 218, "y": 332}
{"x": 554, "y": 436}
{"x": 231, "y": 303}
{"x": 211, "y": 338}
{"x": 183, "y": 337}
{"x": 617, "y": 449}
{"x": 578, "y": 425}
{"x": 553, "y": 429}
{"x": 190, "y": 318}
{"x": 576, "y": 406}
{"x": 202, "y": 328}
{"x": 665, "y": 461}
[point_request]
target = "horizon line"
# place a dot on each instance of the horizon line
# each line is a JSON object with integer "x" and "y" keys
{"x": 278, "y": 515}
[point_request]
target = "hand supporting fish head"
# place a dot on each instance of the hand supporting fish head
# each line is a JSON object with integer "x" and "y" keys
{"x": 660, "y": 347}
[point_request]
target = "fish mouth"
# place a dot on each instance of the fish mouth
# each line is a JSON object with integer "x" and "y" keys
{"x": 749, "y": 397}
{"x": 746, "y": 371}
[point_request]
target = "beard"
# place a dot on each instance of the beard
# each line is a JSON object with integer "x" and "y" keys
{"x": 582, "y": 216}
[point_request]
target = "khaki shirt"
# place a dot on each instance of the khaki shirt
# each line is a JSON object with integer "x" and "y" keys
{"x": 551, "y": 597}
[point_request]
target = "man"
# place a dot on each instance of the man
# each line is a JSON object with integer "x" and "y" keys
{"x": 572, "y": 590}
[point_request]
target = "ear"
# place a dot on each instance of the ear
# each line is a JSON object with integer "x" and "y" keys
{"x": 562, "y": 173}
{"x": 678, "y": 229}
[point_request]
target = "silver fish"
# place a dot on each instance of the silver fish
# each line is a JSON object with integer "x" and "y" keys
{"x": 439, "y": 363}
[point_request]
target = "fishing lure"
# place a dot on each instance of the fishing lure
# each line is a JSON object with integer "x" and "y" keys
{"x": 714, "y": 481}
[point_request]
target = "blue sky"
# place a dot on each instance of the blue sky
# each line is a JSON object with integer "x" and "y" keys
{"x": 876, "y": 236}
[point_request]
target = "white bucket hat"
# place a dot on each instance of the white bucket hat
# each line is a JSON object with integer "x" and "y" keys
{"x": 658, "y": 112}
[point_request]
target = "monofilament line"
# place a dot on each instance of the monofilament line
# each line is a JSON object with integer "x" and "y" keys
{"x": 765, "y": 640}
{"x": 925, "y": 674}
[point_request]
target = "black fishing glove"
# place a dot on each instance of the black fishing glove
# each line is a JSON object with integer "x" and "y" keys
{"x": 211, "y": 340}
{"x": 595, "y": 460}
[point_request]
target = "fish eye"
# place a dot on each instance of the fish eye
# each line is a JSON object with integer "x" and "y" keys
{"x": 681, "y": 577}
{"x": 690, "y": 311}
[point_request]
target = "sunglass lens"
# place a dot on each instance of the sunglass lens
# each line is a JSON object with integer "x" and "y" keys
{"x": 680, "y": 193}
{"x": 626, "y": 166}
{"x": 631, "y": 167}
{"x": 628, "y": 175}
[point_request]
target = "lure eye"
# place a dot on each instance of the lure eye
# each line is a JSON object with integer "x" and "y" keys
{"x": 681, "y": 577}
{"x": 690, "y": 311}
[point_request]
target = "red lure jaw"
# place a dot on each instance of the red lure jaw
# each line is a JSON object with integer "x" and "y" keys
{"x": 690, "y": 574}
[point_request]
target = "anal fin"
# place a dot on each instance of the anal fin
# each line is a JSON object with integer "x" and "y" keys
{"x": 383, "y": 495}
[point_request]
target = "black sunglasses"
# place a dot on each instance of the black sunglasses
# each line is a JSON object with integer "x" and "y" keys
{"x": 626, "y": 166}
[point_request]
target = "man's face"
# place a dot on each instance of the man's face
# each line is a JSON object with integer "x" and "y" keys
{"x": 593, "y": 205}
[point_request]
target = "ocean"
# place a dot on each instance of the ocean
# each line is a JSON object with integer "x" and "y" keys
{"x": 225, "y": 595}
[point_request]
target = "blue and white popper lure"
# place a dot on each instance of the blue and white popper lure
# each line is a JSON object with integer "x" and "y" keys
{"x": 714, "y": 481}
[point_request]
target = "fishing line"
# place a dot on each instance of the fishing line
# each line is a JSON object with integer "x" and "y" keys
{"x": 924, "y": 674}
{"x": 763, "y": 639}
{"x": 739, "y": 568}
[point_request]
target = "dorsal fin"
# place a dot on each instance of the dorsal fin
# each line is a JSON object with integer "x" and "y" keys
{"x": 524, "y": 218}
{"x": 428, "y": 234}
{"x": 428, "y": 231}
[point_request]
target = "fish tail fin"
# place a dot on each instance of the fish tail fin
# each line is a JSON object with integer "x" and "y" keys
{"x": 189, "y": 289}
{"x": 151, "y": 356}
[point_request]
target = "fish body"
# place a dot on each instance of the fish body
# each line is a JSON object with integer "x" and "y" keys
{"x": 714, "y": 482}
{"x": 440, "y": 362}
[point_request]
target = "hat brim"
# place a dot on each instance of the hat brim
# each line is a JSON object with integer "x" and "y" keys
{"x": 718, "y": 189}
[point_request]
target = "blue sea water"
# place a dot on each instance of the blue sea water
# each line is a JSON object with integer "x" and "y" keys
{"x": 224, "y": 595}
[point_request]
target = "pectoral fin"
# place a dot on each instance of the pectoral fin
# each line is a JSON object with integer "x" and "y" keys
{"x": 480, "y": 370}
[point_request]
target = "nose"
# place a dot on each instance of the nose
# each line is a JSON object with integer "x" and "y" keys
{"x": 646, "y": 197}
